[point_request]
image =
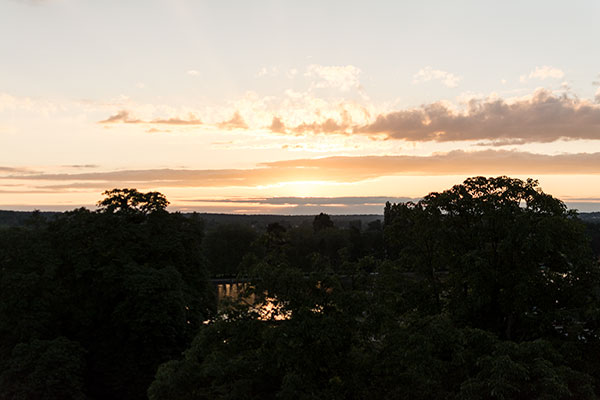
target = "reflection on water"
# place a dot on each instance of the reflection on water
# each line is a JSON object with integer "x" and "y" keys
{"x": 239, "y": 292}
{"x": 233, "y": 291}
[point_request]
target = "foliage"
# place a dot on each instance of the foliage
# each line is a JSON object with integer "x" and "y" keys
{"x": 44, "y": 369}
{"x": 225, "y": 247}
{"x": 322, "y": 221}
{"x": 486, "y": 290}
{"x": 132, "y": 201}
{"x": 129, "y": 286}
{"x": 518, "y": 263}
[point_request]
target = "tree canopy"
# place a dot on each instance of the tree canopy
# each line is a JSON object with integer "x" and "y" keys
{"x": 487, "y": 290}
{"x": 109, "y": 295}
{"x": 131, "y": 201}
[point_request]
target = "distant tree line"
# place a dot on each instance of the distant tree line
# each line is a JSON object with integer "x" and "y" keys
{"x": 488, "y": 290}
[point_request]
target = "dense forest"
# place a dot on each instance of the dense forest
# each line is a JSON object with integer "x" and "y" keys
{"x": 488, "y": 290}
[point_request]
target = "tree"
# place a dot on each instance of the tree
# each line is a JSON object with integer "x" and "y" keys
{"x": 322, "y": 221}
{"x": 129, "y": 201}
{"x": 517, "y": 262}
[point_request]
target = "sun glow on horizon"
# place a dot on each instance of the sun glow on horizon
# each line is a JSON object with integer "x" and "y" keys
{"x": 301, "y": 188}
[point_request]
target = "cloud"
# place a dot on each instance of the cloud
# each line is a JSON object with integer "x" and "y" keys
{"x": 193, "y": 72}
{"x": 339, "y": 77}
{"x": 298, "y": 205}
{"x": 125, "y": 118}
{"x": 120, "y": 117}
{"x": 155, "y": 130}
{"x": 39, "y": 106}
{"x": 544, "y": 72}
{"x": 543, "y": 117}
{"x": 277, "y": 125}
{"x": 12, "y": 170}
{"x": 236, "y": 122}
{"x": 428, "y": 74}
{"x": 192, "y": 120}
{"x": 456, "y": 162}
{"x": 342, "y": 125}
{"x": 502, "y": 142}
{"x": 267, "y": 71}
{"x": 329, "y": 169}
{"x": 328, "y": 126}
{"x": 82, "y": 166}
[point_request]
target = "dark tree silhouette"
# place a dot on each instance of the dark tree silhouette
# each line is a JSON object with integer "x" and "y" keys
{"x": 322, "y": 221}
{"x": 127, "y": 284}
{"x": 131, "y": 201}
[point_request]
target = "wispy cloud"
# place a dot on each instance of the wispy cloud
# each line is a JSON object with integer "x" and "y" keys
{"x": 120, "y": 117}
{"x": 267, "y": 71}
{"x": 13, "y": 170}
{"x": 456, "y": 162}
{"x": 192, "y": 120}
{"x": 19, "y": 172}
{"x": 82, "y": 166}
{"x": 39, "y": 106}
{"x": 124, "y": 117}
{"x": 341, "y": 125}
{"x": 329, "y": 169}
{"x": 332, "y": 76}
{"x": 544, "y": 72}
{"x": 428, "y": 74}
{"x": 156, "y": 130}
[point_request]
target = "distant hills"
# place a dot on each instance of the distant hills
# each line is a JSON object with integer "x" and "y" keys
{"x": 259, "y": 221}
{"x": 18, "y": 218}
{"x": 593, "y": 217}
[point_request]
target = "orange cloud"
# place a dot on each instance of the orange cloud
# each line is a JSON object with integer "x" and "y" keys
{"x": 330, "y": 125}
{"x": 120, "y": 117}
{"x": 277, "y": 125}
{"x": 177, "y": 121}
{"x": 236, "y": 122}
{"x": 331, "y": 169}
{"x": 124, "y": 117}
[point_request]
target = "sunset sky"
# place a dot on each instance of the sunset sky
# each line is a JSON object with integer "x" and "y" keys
{"x": 295, "y": 107}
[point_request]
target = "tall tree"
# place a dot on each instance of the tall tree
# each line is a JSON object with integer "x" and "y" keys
{"x": 518, "y": 262}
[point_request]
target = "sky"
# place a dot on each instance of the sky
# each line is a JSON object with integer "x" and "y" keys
{"x": 295, "y": 107}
